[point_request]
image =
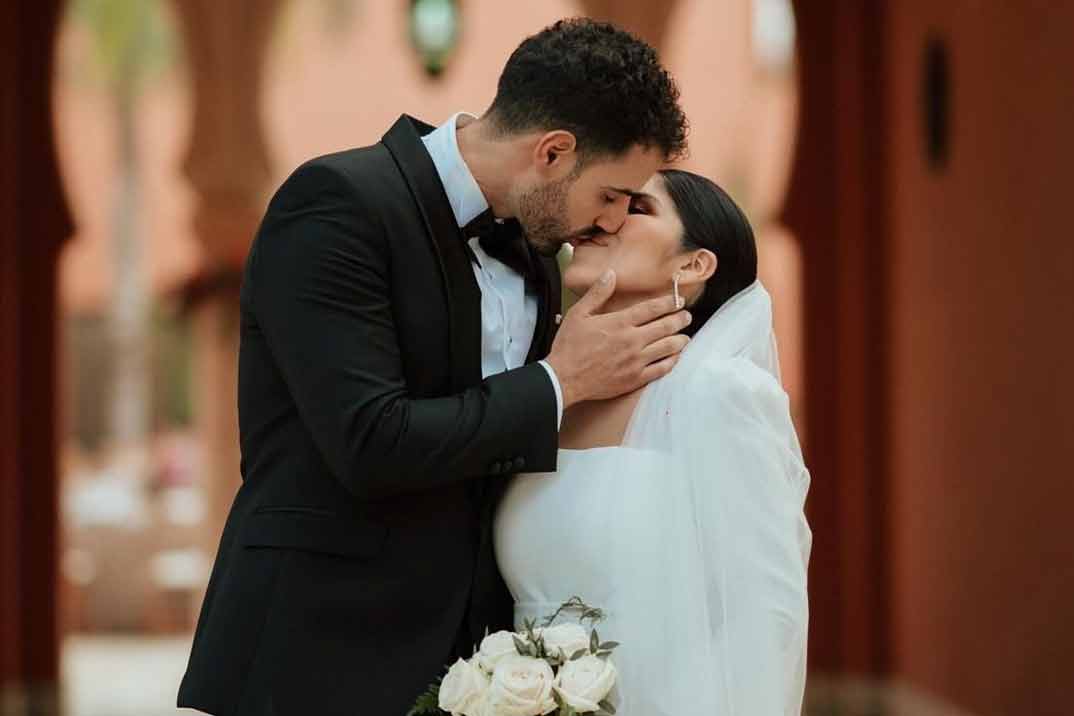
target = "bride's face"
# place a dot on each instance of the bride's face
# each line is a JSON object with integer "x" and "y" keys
{"x": 645, "y": 253}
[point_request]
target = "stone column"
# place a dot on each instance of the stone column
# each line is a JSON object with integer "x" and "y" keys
{"x": 228, "y": 165}
{"x": 767, "y": 134}
{"x": 837, "y": 206}
{"x": 34, "y": 222}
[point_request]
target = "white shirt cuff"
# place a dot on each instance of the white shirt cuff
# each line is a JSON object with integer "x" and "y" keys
{"x": 559, "y": 392}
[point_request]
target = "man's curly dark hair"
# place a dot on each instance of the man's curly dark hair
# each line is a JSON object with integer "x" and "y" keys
{"x": 600, "y": 83}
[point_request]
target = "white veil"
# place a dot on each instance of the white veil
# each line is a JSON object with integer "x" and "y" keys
{"x": 728, "y": 545}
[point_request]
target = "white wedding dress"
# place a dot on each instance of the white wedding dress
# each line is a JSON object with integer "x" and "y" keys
{"x": 690, "y": 536}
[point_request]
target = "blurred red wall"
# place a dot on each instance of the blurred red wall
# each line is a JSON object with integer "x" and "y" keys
{"x": 981, "y": 318}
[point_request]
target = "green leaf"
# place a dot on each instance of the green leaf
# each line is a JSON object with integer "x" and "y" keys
{"x": 579, "y": 654}
{"x": 520, "y": 646}
{"x": 594, "y": 641}
{"x": 609, "y": 645}
{"x": 428, "y": 704}
{"x": 576, "y": 604}
{"x": 607, "y": 706}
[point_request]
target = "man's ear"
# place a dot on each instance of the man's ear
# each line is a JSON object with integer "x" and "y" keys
{"x": 555, "y": 150}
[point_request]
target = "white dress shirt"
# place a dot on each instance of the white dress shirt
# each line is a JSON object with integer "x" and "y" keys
{"x": 508, "y": 310}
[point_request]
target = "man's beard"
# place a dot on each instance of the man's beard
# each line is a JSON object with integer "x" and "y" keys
{"x": 542, "y": 212}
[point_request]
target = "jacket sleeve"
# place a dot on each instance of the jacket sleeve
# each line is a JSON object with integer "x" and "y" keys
{"x": 319, "y": 274}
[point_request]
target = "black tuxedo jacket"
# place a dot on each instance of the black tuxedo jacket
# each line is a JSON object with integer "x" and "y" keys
{"x": 357, "y": 558}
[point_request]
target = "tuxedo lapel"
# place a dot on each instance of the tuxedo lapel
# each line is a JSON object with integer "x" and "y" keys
{"x": 404, "y": 143}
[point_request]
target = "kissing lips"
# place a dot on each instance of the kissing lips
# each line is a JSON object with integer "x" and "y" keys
{"x": 598, "y": 240}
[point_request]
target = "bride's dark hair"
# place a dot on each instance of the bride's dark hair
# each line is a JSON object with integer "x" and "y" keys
{"x": 712, "y": 220}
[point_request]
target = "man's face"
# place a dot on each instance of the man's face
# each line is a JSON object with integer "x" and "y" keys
{"x": 587, "y": 202}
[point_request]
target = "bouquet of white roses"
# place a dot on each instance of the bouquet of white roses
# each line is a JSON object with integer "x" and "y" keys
{"x": 537, "y": 671}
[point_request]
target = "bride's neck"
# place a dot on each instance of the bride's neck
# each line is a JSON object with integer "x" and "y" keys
{"x": 620, "y": 301}
{"x": 603, "y": 423}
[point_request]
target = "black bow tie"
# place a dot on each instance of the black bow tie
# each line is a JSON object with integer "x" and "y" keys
{"x": 503, "y": 241}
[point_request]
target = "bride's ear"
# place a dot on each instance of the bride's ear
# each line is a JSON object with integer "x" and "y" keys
{"x": 698, "y": 266}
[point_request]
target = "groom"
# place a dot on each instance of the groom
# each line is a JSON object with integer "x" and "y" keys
{"x": 395, "y": 305}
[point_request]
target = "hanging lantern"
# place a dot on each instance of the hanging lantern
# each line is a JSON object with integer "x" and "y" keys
{"x": 434, "y": 31}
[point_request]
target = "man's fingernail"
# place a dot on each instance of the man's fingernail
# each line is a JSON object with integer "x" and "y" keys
{"x": 689, "y": 318}
{"x": 606, "y": 277}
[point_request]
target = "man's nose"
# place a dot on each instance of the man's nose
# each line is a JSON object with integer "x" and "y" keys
{"x": 611, "y": 221}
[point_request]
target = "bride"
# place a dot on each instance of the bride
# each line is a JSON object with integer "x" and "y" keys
{"x": 678, "y": 509}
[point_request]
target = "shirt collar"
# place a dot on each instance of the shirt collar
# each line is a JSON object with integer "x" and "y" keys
{"x": 463, "y": 193}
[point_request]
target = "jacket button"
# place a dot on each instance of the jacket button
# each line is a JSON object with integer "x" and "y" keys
{"x": 520, "y": 462}
{"x": 496, "y": 468}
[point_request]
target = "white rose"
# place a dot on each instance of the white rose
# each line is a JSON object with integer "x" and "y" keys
{"x": 481, "y": 707}
{"x": 464, "y": 690}
{"x": 495, "y": 647}
{"x": 522, "y": 686}
{"x": 585, "y": 682}
{"x": 566, "y": 637}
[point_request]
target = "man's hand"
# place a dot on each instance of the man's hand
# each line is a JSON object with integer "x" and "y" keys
{"x": 599, "y": 356}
